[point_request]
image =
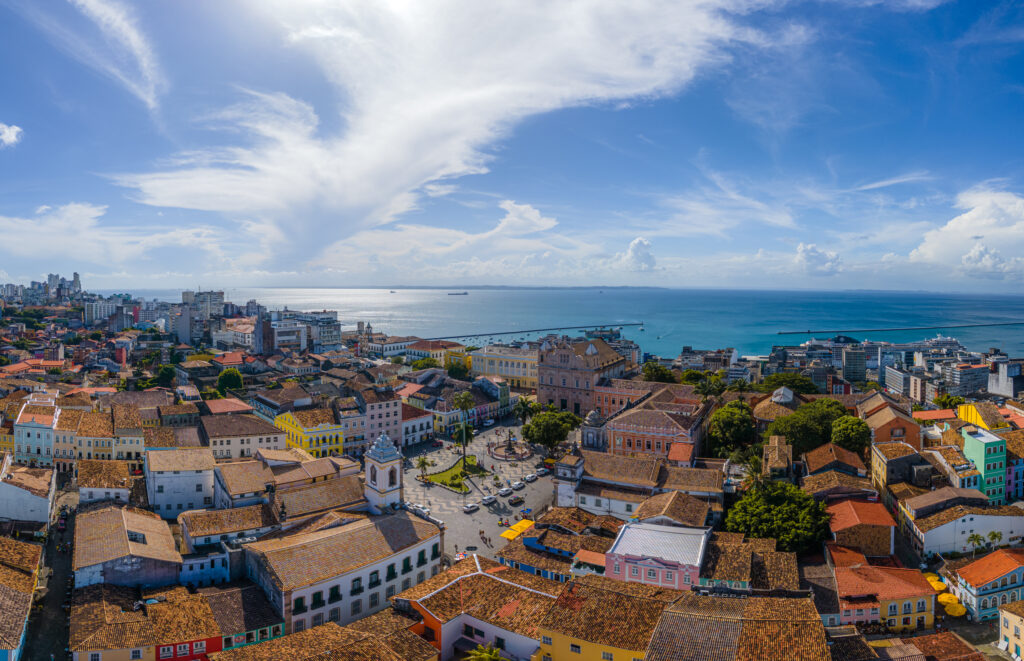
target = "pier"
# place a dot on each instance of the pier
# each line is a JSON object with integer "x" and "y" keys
{"x": 903, "y": 328}
{"x": 538, "y": 330}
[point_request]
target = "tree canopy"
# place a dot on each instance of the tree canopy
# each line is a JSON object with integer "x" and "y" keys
{"x": 798, "y": 383}
{"x": 782, "y": 511}
{"x": 809, "y": 426}
{"x": 655, "y": 371}
{"x": 425, "y": 363}
{"x": 731, "y": 428}
{"x": 692, "y": 376}
{"x": 458, "y": 371}
{"x": 852, "y": 433}
{"x": 230, "y": 378}
{"x": 550, "y": 428}
{"x": 947, "y": 401}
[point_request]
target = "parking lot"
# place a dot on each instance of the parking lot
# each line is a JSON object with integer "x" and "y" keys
{"x": 462, "y": 530}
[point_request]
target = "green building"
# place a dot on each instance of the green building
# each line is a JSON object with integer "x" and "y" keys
{"x": 988, "y": 452}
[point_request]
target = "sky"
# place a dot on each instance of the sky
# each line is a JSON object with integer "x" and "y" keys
{"x": 837, "y": 144}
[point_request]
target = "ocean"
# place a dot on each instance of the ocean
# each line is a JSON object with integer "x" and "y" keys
{"x": 672, "y": 318}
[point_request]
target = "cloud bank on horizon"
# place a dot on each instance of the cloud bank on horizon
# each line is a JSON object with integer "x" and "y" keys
{"x": 855, "y": 143}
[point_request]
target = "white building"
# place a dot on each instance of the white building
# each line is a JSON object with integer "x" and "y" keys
{"x": 384, "y": 489}
{"x": 26, "y": 494}
{"x": 124, "y": 546}
{"x": 344, "y": 573}
{"x": 237, "y": 436}
{"x": 179, "y": 480}
{"x": 417, "y": 425}
{"x": 950, "y": 529}
{"x": 33, "y": 432}
{"x": 100, "y": 479}
{"x": 391, "y": 346}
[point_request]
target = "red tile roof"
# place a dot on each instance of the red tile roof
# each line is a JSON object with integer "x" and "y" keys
{"x": 883, "y": 583}
{"x": 681, "y": 452}
{"x": 941, "y": 414}
{"x": 848, "y": 513}
{"x": 994, "y": 565}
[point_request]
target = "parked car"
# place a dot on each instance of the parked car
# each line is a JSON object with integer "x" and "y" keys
{"x": 489, "y": 500}
{"x": 530, "y": 478}
{"x": 518, "y": 485}
{"x": 516, "y": 501}
{"x": 437, "y": 444}
{"x": 504, "y": 491}
{"x": 470, "y": 507}
{"x": 488, "y": 422}
{"x": 541, "y": 472}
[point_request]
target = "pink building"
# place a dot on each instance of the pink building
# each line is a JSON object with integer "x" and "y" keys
{"x": 667, "y": 556}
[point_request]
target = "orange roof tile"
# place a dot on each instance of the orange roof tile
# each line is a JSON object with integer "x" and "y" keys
{"x": 848, "y": 513}
{"x": 681, "y": 452}
{"x": 883, "y": 583}
{"x": 941, "y": 414}
{"x": 985, "y": 570}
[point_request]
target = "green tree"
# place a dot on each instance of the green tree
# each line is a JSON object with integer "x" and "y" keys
{"x": 482, "y": 653}
{"x": 655, "y": 371}
{"x": 165, "y": 376}
{"x": 176, "y": 357}
{"x": 210, "y": 393}
{"x": 423, "y": 464}
{"x": 230, "y": 378}
{"x": 425, "y": 363}
{"x": 54, "y": 370}
{"x": 731, "y": 428}
{"x": 458, "y": 371}
{"x": 994, "y": 537}
{"x": 397, "y": 360}
{"x": 947, "y": 401}
{"x": 798, "y": 383}
{"x": 782, "y": 511}
{"x": 72, "y": 339}
{"x": 464, "y": 402}
{"x": 692, "y": 377}
{"x": 739, "y": 385}
{"x": 710, "y": 387}
{"x": 975, "y": 540}
{"x": 809, "y": 426}
{"x": 522, "y": 409}
{"x": 96, "y": 335}
{"x": 549, "y": 429}
{"x": 852, "y": 433}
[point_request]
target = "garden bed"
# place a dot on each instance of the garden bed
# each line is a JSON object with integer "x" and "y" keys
{"x": 452, "y": 477}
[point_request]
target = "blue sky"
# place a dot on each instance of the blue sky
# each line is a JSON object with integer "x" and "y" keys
{"x": 712, "y": 143}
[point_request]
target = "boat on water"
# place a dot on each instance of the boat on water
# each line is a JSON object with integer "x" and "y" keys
{"x": 458, "y": 293}
{"x": 392, "y": 291}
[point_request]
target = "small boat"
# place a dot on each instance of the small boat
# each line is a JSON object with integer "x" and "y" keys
{"x": 392, "y": 291}
{"x": 458, "y": 293}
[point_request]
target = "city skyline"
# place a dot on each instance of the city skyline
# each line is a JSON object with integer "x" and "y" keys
{"x": 847, "y": 145}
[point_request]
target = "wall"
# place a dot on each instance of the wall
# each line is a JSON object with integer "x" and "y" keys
{"x": 179, "y": 491}
{"x": 953, "y": 535}
{"x": 871, "y": 540}
{"x": 559, "y": 648}
{"x": 516, "y": 645}
{"x": 20, "y": 505}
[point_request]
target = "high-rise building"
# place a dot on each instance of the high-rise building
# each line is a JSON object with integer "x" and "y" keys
{"x": 854, "y": 364}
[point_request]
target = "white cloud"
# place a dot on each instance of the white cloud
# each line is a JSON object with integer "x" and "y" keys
{"x": 638, "y": 256}
{"x": 909, "y": 178}
{"x": 75, "y": 232}
{"x": 815, "y": 261}
{"x": 116, "y": 47}
{"x": 9, "y": 135}
{"x": 991, "y": 218}
{"x": 427, "y": 90}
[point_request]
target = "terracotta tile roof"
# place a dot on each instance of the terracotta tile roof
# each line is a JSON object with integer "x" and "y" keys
{"x": 848, "y": 513}
{"x": 777, "y": 454}
{"x": 989, "y": 414}
{"x": 126, "y": 416}
{"x": 1014, "y": 444}
{"x": 340, "y": 493}
{"x": 314, "y": 417}
{"x": 825, "y": 454}
{"x": 240, "y": 607}
{"x": 953, "y": 513}
{"x": 14, "y": 610}
{"x": 181, "y": 616}
{"x": 822, "y": 482}
{"x": 703, "y": 628}
{"x": 101, "y": 535}
{"x": 327, "y": 642}
{"x": 36, "y": 481}
{"x": 992, "y": 566}
{"x": 179, "y": 409}
{"x": 229, "y": 426}
{"x": 941, "y": 414}
{"x": 204, "y": 523}
{"x": 945, "y": 646}
{"x": 103, "y": 474}
{"x": 69, "y": 420}
{"x": 19, "y": 562}
{"x": 197, "y": 459}
{"x": 517, "y": 552}
{"x": 616, "y": 468}
{"x": 844, "y": 556}
{"x": 96, "y": 424}
{"x": 630, "y": 588}
{"x": 387, "y": 621}
{"x": 882, "y": 583}
{"x": 945, "y": 494}
{"x": 677, "y": 506}
{"x": 691, "y": 479}
{"x": 612, "y": 492}
{"x": 158, "y": 437}
{"x": 39, "y": 415}
{"x": 103, "y": 617}
{"x": 576, "y": 520}
{"x": 606, "y": 618}
{"x": 227, "y": 405}
{"x": 905, "y": 490}
{"x": 886, "y": 415}
{"x": 895, "y": 449}
{"x": 308, "y": 558}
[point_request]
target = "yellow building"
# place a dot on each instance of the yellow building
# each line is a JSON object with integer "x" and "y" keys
{"x": 516, "y": 365}
{"x": 314, "y": 430}
{"x": 591, "y": 623}
{"x": 1011, "y": 624}
{"x": 900, "y": 599}
{"x": 985, "y": 415}
{"x": 6, "y": 442}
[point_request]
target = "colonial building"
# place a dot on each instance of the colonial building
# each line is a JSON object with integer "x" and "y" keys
{"x": 568, "y": 371}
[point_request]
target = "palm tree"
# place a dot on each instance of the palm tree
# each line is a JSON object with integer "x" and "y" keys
{"x": 739, "y": 385}
{"x": 995, "y": 537}
{"x": 523, "y": 409}
{"x": 975, "y": 540}
{"x": 709, "y": 387}
{"x": 464, "y": 402}
{"x": 423, "y": 464}
{"x": 482, "y": 653}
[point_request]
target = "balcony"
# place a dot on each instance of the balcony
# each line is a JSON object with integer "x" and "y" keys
{"x": 406, "y": 568}
{"x": 334, "y": 598}
{"x": 422, "y": 560}
{"x": 356, "y": 590}
{"x": 299, "y": 609}
{"x": 317, "y": 603}
{"x": 392, "y": 575}
{"x": 374, "y": 584}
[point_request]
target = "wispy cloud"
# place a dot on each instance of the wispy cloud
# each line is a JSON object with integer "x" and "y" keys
{"x": 9, "y": 135}
{"x": 909, "y": 178}
{"x": 113, "y": 44}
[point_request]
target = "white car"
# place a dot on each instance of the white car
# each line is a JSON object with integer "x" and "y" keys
{"x": 530, "y": 478}
{"x": 488, "y": 422}
{"x": 541, "y": 472}
{"x": 504, "y": 491}
{"x": 518, "y": 485}
{"x": 489, "y": 500}
{"x": 470, "y": 508}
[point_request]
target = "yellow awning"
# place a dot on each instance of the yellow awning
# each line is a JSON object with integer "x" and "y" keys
{"x": 522, "y": 526}
{"x": 510, "y": 534}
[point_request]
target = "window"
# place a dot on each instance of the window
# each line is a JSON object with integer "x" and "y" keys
{"x": 318, "y": 600}
{"x": 906, "y": 621}
{"x": 95, "y": 656}
{"x": 499, "y": 642}
{"x": 435, "y": 552}
{"x": 199, "y": 646}
{"x": 634, "y": 571}
{"x": 467, "y": 630}
{"x": 334, "y": 595}
{"x": 182, "y": 649}
{"x": 199, "y": 487}
{"x": 357, "y": 607}
{"x": 406, "y": 565}
{"x": 607, "y": 656}
{"x": 374, "y": 599}
{"x": 318, "y": 619}
{"x": 574, "y": 648}
{"x": 392, "y": 574}
{"x": 920, "y": 605}
{"x": 545, "y": 640}
{"x": 652, "y": 573}
{"x": 906, "y": 607}
{"x": 406, "y": 583}
{"x": 389, "y": 592}
{"x": 166, "y": 652}
{"x": 136, "y": 654}
{"x": 159, "y": 488}
{"x": 374, "y": 579}
{"x": 893, "y": 609}
{"x": 298, "y": 625}
{"x": 299, "y": 605}
{"x": 357, "y": 586}
{"x": 334, "y": 615}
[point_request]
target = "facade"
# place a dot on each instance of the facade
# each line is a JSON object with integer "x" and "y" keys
{"x": 1011, "y": 622}
{"x": 103, "y": 480}
{"x": 345, "y": 573}
{"x": 179, "y": 480}
{"x": 901, "y": 599}
{"x": 863, "y": 525}
{"x": 240, "y": 435}
{"x": 663, "y": 422}
{"x": 26, "y": 493}
{"x": 889, "y": 424}
{"x": 517, "y": 365}
{"x": 988, "y": 452}
{"x": 33, "y": 434}
{"x": 989, "y": 582}
{"x": 1006, "y": 378}
{"x": 417, "y": 425}
{"x": 124, "y": 546}
{"x": 568, "y": 372}
{"x": 949, "y": 530}
{"x": 313, "y": 430}
{"x": 666, "y": 556}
